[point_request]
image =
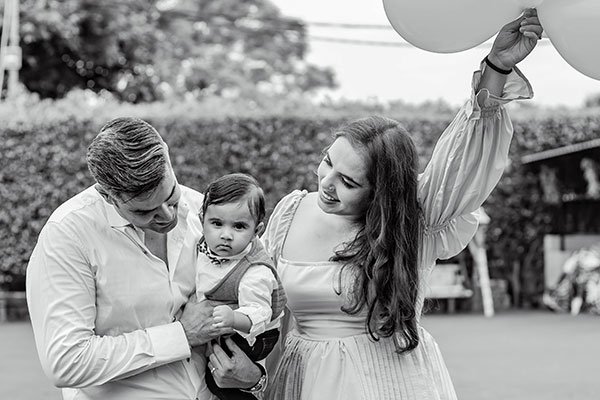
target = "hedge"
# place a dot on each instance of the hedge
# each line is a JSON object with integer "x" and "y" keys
{"x": 43, "y": 164}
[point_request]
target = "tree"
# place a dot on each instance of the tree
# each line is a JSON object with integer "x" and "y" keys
{"x": 232, "y": 46}
{"x": 88, "y": 44}
{"x": 141, "y": 50}
{"x": 592, "y": 101}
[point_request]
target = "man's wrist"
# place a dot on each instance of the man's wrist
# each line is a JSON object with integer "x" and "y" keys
{"x": 192, "y": 339}
{"x": 261, "y": 384}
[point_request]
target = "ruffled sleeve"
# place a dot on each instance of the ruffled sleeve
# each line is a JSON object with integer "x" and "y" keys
{"x": 465, "y": 166}
{"x": 279, "y": 223}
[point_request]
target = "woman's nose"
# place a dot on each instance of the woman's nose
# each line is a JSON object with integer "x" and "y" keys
{"x": 327, "y": 182}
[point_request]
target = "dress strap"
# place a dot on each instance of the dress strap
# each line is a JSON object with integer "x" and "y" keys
{"x": 280, "y": 222}
{"x": 290, "y": 213}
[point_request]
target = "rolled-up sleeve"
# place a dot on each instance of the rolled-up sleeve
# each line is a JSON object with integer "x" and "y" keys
{"x": 61, "y": 295}
{"x": 254, "y": 299}
{"x": 465, "y": 166}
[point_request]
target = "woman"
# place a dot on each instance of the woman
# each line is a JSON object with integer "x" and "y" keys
{"x": 353, "y": 257}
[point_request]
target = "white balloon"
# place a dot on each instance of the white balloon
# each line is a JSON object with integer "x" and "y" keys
{"x": 447, "y": 26}
{"x": 528, "y": 3}
{"x": 573, "y": 27}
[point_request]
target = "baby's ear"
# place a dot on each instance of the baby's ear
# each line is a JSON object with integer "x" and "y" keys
{"x": 260, "y": 228}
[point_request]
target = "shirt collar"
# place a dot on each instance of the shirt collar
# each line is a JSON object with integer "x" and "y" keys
{"x": 114, "y": 218}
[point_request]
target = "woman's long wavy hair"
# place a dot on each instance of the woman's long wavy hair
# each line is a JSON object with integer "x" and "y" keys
{"x": 384, "y": 255}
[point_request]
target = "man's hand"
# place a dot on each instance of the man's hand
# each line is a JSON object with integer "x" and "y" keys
{"x": 223, "y": 317}
{"x": 198, "y": 323}
{"x": 237, "y": 371}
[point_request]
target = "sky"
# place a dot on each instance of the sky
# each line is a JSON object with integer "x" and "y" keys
{"x": 414, "y": 75}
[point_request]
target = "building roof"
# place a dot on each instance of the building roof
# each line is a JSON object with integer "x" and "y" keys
{"x": 560, "y": 151}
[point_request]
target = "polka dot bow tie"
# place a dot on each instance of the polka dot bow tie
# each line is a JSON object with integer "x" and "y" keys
{"x": 203, "y": 248}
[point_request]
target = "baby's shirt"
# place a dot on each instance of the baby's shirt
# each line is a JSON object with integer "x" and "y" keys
{"x": 254, "y": 292}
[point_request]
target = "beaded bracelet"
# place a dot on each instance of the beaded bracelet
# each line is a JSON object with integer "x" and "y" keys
{"x": 495, "y": 68}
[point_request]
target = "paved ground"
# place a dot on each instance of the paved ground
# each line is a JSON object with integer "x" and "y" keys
{"x": 513, "y": 356}
{"x": 521, "y": 355}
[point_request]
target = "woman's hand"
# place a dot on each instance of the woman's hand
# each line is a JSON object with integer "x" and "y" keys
{"x": 237, "y": 371}
{"x": 516, "y": 40}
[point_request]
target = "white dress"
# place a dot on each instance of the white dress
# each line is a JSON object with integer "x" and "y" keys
{"x": 327, "y": 353}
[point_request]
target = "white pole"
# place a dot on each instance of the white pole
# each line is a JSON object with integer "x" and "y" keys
{"x": 4, "y": 40}
{"x": 477, "y": 249}
{"x": 13, "y": 72}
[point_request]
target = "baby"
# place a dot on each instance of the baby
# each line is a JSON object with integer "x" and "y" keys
{"x": 234, "y": 269}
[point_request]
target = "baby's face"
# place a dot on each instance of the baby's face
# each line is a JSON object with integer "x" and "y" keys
{"x": 228, "y": 228}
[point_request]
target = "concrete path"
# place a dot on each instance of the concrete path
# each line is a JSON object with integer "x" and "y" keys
{"x": 520, "y": 355}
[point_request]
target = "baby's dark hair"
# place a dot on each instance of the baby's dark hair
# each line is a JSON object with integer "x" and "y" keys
{"x": 234, "y": 187}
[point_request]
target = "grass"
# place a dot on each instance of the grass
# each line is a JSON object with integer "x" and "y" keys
{"x": 517, "y": 355}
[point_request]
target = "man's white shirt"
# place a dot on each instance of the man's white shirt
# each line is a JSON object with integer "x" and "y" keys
{"x": 103, "y": 306}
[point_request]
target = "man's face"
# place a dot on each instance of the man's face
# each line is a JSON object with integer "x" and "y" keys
{"x": 155, "y": 211}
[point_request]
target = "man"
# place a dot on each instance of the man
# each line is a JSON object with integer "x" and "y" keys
{"x": 112, "y": 269}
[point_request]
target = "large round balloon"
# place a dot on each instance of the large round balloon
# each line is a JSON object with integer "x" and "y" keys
{"x": 573, "y": 27}
{"x": 447, "y": 26}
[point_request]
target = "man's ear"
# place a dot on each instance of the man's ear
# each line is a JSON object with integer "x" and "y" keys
{"x": 105, "y": 195}
{"x": 260, "y": 228}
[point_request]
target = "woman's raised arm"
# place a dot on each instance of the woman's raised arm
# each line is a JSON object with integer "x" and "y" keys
{"x": 513, "y": 43}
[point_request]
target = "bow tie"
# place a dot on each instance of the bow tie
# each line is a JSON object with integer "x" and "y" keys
{"x": 203, "y": 248}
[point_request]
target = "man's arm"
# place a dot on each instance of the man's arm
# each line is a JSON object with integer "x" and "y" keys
{"x": 61, "y": 295}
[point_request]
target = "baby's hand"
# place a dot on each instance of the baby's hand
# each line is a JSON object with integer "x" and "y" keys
{"x": 222, "y": 317}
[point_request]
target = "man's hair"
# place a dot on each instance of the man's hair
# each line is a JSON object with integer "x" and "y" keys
{"x": 234, "y": 187}
{"x": 127, "y": 158}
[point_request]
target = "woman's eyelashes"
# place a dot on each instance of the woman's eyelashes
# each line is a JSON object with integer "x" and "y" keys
{"x": 343, "y": 179}
{"x": 346, "y": 183}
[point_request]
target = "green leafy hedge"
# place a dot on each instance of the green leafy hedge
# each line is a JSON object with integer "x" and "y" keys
{"x": 43, "y": 164}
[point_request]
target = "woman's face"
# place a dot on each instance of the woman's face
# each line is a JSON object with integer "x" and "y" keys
{"x": 343, "y": 185}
